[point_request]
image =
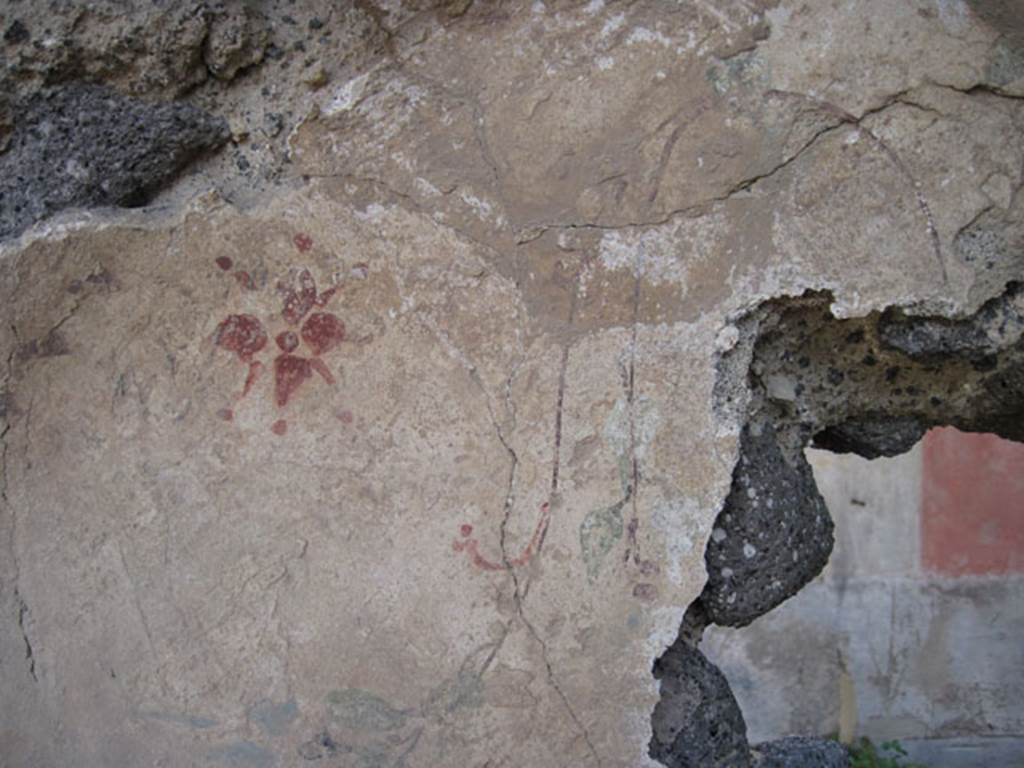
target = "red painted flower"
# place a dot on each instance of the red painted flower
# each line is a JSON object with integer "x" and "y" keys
{"x": 321, "y": 332}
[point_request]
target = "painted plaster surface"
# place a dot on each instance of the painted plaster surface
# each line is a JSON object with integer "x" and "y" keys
{"x": 400, "y": 450}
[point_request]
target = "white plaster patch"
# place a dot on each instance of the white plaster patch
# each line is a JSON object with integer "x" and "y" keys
{"x": 643, "y": 35}
{"x": 663, "y": 632}
{"x": 482, "y": 208}
{"x": 425, "y": 188}
{"x": 632, "y": 434}
{"x": 675, "y": 520}
{"x": 999, "y": 189}
{"x": 662, "y": 254}
{"x": 778, "y": 18}
{"x": 953, "y": 14}
{"x": 373, "y": 212}
{"x": 614, "y": 23}
{"x": 347, "y": 96}
{"x": 727, "y": 338}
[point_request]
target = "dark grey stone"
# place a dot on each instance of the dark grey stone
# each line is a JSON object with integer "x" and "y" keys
{"x": 16, "y": 33}
{"x": 979, "y": 336}
{"x": 85, "y": 145}
{"x": 802, "y": 752}
{"x": 872, "y": 436}
{"x": 772, "y": 537}
{"x": 1001, "y": 403}
{"x": 981, "y": 246}
{"x": 697, "y": 723}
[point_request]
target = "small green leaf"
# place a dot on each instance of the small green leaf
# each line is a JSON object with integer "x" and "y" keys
{"x": 356, "y": 708}
{"x": 599, "y": 532}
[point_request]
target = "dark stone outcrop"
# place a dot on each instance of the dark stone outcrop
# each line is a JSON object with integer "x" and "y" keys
{"x": 697, "y": 723}
{"x": 872, "y": 436}
{"x": 84, "y": 145}
{"x": 773, "y": 536}
{"x": 975, "y": 338}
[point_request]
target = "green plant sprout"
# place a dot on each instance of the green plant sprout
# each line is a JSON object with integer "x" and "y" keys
{"x": 890, "y": 754}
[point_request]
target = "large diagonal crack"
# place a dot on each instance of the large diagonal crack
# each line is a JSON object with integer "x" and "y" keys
{"x": 840, "y": 118}
{"x": 744, "y": 185}
{"x": 521, "y": 591}
{"x": 980, "y": 88}
{"x": 510, "y": 564}
{"x": 553, "y": 682}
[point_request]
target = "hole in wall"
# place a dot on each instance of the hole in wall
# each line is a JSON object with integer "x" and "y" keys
{"x": 799, "y": 376}
{"x": 912, "y": 630}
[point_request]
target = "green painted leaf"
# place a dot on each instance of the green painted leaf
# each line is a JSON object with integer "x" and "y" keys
{"x": 356, "y": 708}
{"x": 599, "y": 532}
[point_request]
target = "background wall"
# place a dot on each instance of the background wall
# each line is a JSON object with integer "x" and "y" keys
{"x": 915, "y": 630}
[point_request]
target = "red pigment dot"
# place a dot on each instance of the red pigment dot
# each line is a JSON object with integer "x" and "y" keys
{"x": 346, "y": 417}
{"x": 244, "y": 280}
{"x": 298, "y": 303}
{"x": 279, "y": 427}
{"x": 323, "y": 331}
{"x": 241, "y": 334}
{"x": 289, "y": 373}
{"x": 226, "y": 413}
{"x": 224, "y": 262}
{"x": 466, "y": 529}
{"x": 287, "y": 341}
{"x": 303, "y": 242}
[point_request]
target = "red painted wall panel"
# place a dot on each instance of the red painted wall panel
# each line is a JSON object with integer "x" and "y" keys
{"x": 972, "y": 504}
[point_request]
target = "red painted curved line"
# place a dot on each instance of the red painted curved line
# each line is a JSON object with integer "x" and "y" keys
{"x": 475, "y": 557}
{"x": 538, "y": 536}
{"x": 472, "y": 546}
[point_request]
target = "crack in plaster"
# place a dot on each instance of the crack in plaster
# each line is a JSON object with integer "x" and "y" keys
{"x": 3, "y": 464}
{"x": 843, "y": 118}
{"x": 29, "y": 653}
{"x": 529, "y": 232}
{"x": 520, "y": 592}
{"x": 553, "y": 682}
